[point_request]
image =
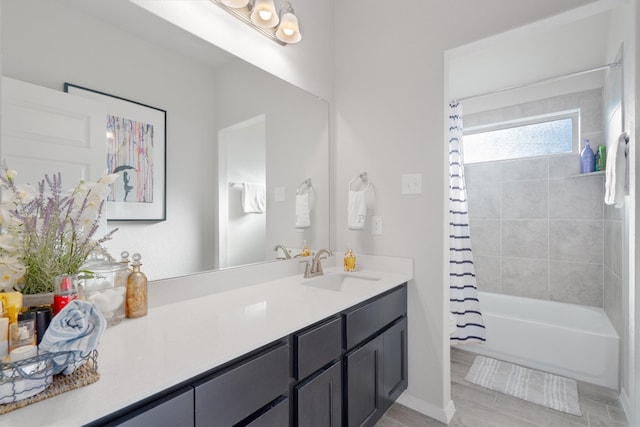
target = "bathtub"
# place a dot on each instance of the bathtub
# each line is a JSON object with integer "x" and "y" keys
{"x": 570, "y": 340}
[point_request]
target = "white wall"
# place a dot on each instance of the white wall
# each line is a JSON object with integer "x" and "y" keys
{"x": 52, "y": 44}
{"x": 389, "y": 120}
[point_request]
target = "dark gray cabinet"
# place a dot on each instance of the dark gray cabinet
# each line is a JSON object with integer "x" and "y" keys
{"x": 318, "y": 368}
{"x": 319, "y": 400}
{"x": 363, "y": 373}
{"x": 394, "y": 362}
{"x": 345, "y": 370}
{"x": 376, "y": 363}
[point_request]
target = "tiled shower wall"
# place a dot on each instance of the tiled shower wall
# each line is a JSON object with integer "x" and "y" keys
{"x": 537, "y": 226}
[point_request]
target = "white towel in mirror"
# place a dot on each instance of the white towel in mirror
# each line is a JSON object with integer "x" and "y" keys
{"x": 254, "y": 198}
{"x": 303, "y": 211}
{"x": 356, "y": 210}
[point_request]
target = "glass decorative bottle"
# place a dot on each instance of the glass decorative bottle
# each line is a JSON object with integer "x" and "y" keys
{"x": 349, "y": 261}
{"x": 136, "y": 290}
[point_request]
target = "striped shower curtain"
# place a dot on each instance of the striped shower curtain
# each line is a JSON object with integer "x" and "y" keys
{"x": 464, "y": 303}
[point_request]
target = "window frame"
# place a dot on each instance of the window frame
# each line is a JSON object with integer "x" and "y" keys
{"x": 573, "y": 114}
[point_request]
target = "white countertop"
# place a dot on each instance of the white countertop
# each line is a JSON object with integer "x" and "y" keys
{"x": 178, "y": 341}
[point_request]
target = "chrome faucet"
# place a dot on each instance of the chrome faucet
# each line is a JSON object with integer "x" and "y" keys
{"x": 287, "y": 255}
{"x": 314, "y": 268}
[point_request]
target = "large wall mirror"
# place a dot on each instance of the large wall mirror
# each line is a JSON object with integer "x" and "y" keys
{"x": 228, "y": 124}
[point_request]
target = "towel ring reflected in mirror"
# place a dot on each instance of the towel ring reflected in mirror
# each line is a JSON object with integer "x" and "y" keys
{"x": 361, "y": 179}
{"x": 304, "y": 187}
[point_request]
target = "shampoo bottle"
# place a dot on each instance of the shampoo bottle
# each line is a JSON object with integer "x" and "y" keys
{"x": 587, "y": 158}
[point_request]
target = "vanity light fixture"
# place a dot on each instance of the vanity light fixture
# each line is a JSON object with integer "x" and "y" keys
{"x": 282, "y": 26}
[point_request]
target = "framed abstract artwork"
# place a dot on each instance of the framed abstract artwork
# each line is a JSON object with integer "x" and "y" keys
{"x": 136, "y": 151}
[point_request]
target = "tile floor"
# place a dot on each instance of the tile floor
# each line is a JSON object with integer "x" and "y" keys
{"x": 480, "y": 407}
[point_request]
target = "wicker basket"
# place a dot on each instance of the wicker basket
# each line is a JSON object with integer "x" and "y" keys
{"x": 31, "y": 380}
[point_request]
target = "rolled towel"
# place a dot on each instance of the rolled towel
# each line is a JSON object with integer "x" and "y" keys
{"x": 76, "y": 329}
{"x": 303, "y": 211}
{"x": 356, "y": 210}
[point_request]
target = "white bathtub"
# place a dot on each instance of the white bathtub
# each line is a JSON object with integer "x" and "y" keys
{"x": 565, "y": 339}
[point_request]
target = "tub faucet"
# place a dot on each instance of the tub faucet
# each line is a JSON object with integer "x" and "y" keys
{"x": 287, "y": 255}
{"x": 314, "y": 268}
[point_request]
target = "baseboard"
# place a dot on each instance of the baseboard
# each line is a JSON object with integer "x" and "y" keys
{"x": 627, "y": 406}
{"x": 443, "y": 415}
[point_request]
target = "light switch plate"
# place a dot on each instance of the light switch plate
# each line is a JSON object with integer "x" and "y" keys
{"x": 412, "y": 183}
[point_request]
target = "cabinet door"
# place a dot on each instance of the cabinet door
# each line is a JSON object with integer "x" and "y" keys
{"x": 394, "y": 365}
{"x": 363, "y": 373}
{"x": 173, "y": 410}
{"x": 319, "y": 401}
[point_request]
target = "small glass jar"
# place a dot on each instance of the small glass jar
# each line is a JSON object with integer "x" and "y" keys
{"x": 104, "y": 283}
{"x": 136, "y": 290}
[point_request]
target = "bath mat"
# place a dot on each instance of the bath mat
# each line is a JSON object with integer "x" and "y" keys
{"x": 538, "y": 387}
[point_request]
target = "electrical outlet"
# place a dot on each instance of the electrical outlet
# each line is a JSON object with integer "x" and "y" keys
{"x": 412, "y": 183}
{"x": 279, "y": 194}
{"x": 376, "y": 225}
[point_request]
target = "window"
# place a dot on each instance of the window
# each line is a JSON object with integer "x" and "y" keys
{"x": 531, "y": 137}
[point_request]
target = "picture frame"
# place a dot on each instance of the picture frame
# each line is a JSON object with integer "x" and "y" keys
{"x": 136, "y": 150}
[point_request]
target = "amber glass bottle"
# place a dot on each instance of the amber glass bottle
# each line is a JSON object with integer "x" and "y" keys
{"x": 136, "y": 290}
{"x": 349, "y": 261}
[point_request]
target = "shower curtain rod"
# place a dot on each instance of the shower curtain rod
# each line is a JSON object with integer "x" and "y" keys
{"x": 537, "y": 82}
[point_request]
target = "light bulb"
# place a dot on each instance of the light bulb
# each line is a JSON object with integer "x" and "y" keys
{"x": 265, "y": 15}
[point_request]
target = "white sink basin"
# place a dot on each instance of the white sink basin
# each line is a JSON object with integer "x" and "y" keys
{"x": 339, "y": 281}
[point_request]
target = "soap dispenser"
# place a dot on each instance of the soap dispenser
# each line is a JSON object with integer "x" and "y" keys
{"x": 305, "y": 250}
{"x": 136, "y": 290}
{"x": 349, "y": 261}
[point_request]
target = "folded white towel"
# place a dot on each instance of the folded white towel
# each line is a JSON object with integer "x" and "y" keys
{"x": 615, "y": 173}
{"x": 303, "y": 211}
{"x": 356, "y": 210}
{"x": 76, "y": 329}
{"x": 254, "y": 198}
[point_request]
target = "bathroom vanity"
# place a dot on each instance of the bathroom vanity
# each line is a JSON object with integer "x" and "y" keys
{"x": 330, "y": 350}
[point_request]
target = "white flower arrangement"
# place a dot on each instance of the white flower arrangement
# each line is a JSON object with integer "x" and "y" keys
{"x": 46, "y": 232}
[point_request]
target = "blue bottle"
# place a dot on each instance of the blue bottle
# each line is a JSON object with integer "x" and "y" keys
{"x": 587, "y": 159}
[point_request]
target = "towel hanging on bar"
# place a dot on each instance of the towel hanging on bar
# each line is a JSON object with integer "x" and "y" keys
{"x": 357, "y": 203}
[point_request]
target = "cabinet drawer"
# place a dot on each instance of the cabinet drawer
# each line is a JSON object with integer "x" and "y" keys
{"x": 226, "y": 398}
{"x": 175, "y": 409}
{"x": 277, "y": 416}
{"x": 317, "y": 347}
{"x": 365, "y": 320}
